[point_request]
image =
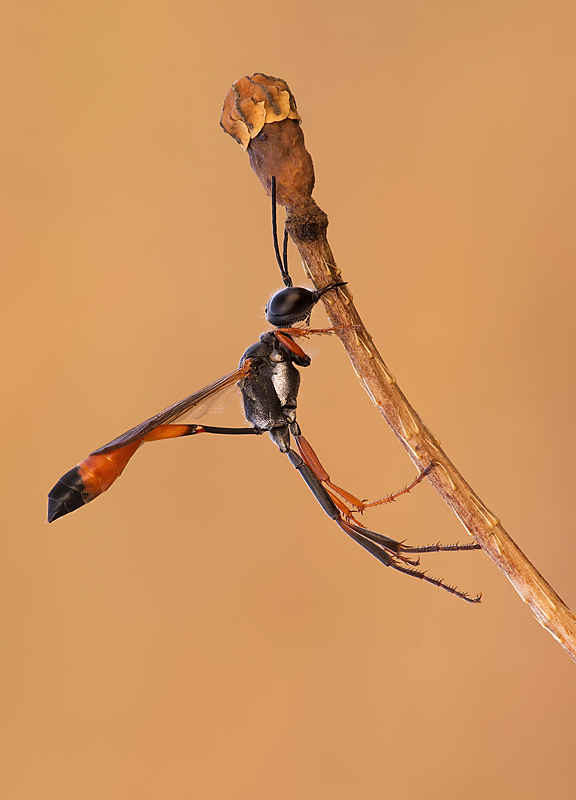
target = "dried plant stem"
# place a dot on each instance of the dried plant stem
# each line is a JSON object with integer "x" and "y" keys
{"x": 418, "y": 440}
{"x": 260, "y": 113}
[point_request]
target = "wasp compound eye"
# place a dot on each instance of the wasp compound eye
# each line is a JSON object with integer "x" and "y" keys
{"x": 290, "y": 305}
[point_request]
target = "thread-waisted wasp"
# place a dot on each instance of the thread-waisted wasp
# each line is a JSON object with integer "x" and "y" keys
{"x": 269, "y": 381}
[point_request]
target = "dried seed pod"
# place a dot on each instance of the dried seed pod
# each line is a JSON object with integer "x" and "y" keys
{"x": 260, "y": 114}
{"x": 254, "y": 101}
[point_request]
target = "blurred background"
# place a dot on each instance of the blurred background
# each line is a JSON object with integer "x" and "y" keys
{"x": 204, "y": 630}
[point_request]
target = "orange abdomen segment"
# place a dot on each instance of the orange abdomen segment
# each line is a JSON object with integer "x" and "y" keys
{"x": 87, "y": 480}
{"x": 98, "y": 473}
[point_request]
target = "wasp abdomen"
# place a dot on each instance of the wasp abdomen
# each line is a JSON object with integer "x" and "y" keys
{"x": 66, "y": 495}
{"x": 87, "y": 480}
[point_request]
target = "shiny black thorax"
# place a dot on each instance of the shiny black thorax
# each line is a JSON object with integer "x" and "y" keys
{"x": 270, "y": 392}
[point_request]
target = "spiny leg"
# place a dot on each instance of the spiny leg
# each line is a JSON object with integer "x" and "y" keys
{"x": 313, "y": 462}
{"x": 388, "y": 551}
{"x": 286, "y": 336}
{"x": 311, "y": 459}
{"x": 392, "y": 561}
{"x": 414, "y": 573}
{"x": 391, "y": 497}
{"x": 305, "y": 332}
{"x": 441, "y": 548}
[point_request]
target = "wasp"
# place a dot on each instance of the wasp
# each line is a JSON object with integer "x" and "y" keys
{"x": 268, "y": 378}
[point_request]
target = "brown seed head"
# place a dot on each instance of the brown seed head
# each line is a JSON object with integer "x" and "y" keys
{"x": 260, "y": 114}
{"x": 253, "y": 101}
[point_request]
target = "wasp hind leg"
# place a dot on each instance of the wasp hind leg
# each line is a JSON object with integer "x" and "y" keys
{"x": 388, "y": 551}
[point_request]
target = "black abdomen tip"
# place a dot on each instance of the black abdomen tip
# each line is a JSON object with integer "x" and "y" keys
{"x": 67, "y": 495}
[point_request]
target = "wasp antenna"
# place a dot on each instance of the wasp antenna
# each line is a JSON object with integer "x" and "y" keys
{"x": 285, "y": 256}
{"x": 283, "y": 264}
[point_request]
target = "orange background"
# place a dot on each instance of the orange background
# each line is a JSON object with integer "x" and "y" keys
{"x": 203, "y": 630}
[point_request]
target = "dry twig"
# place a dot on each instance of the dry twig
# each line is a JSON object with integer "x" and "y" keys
{"x": 260, "y": 113}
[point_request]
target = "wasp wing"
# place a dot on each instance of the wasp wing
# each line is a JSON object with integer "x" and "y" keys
{"x": 177, "y": 410}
